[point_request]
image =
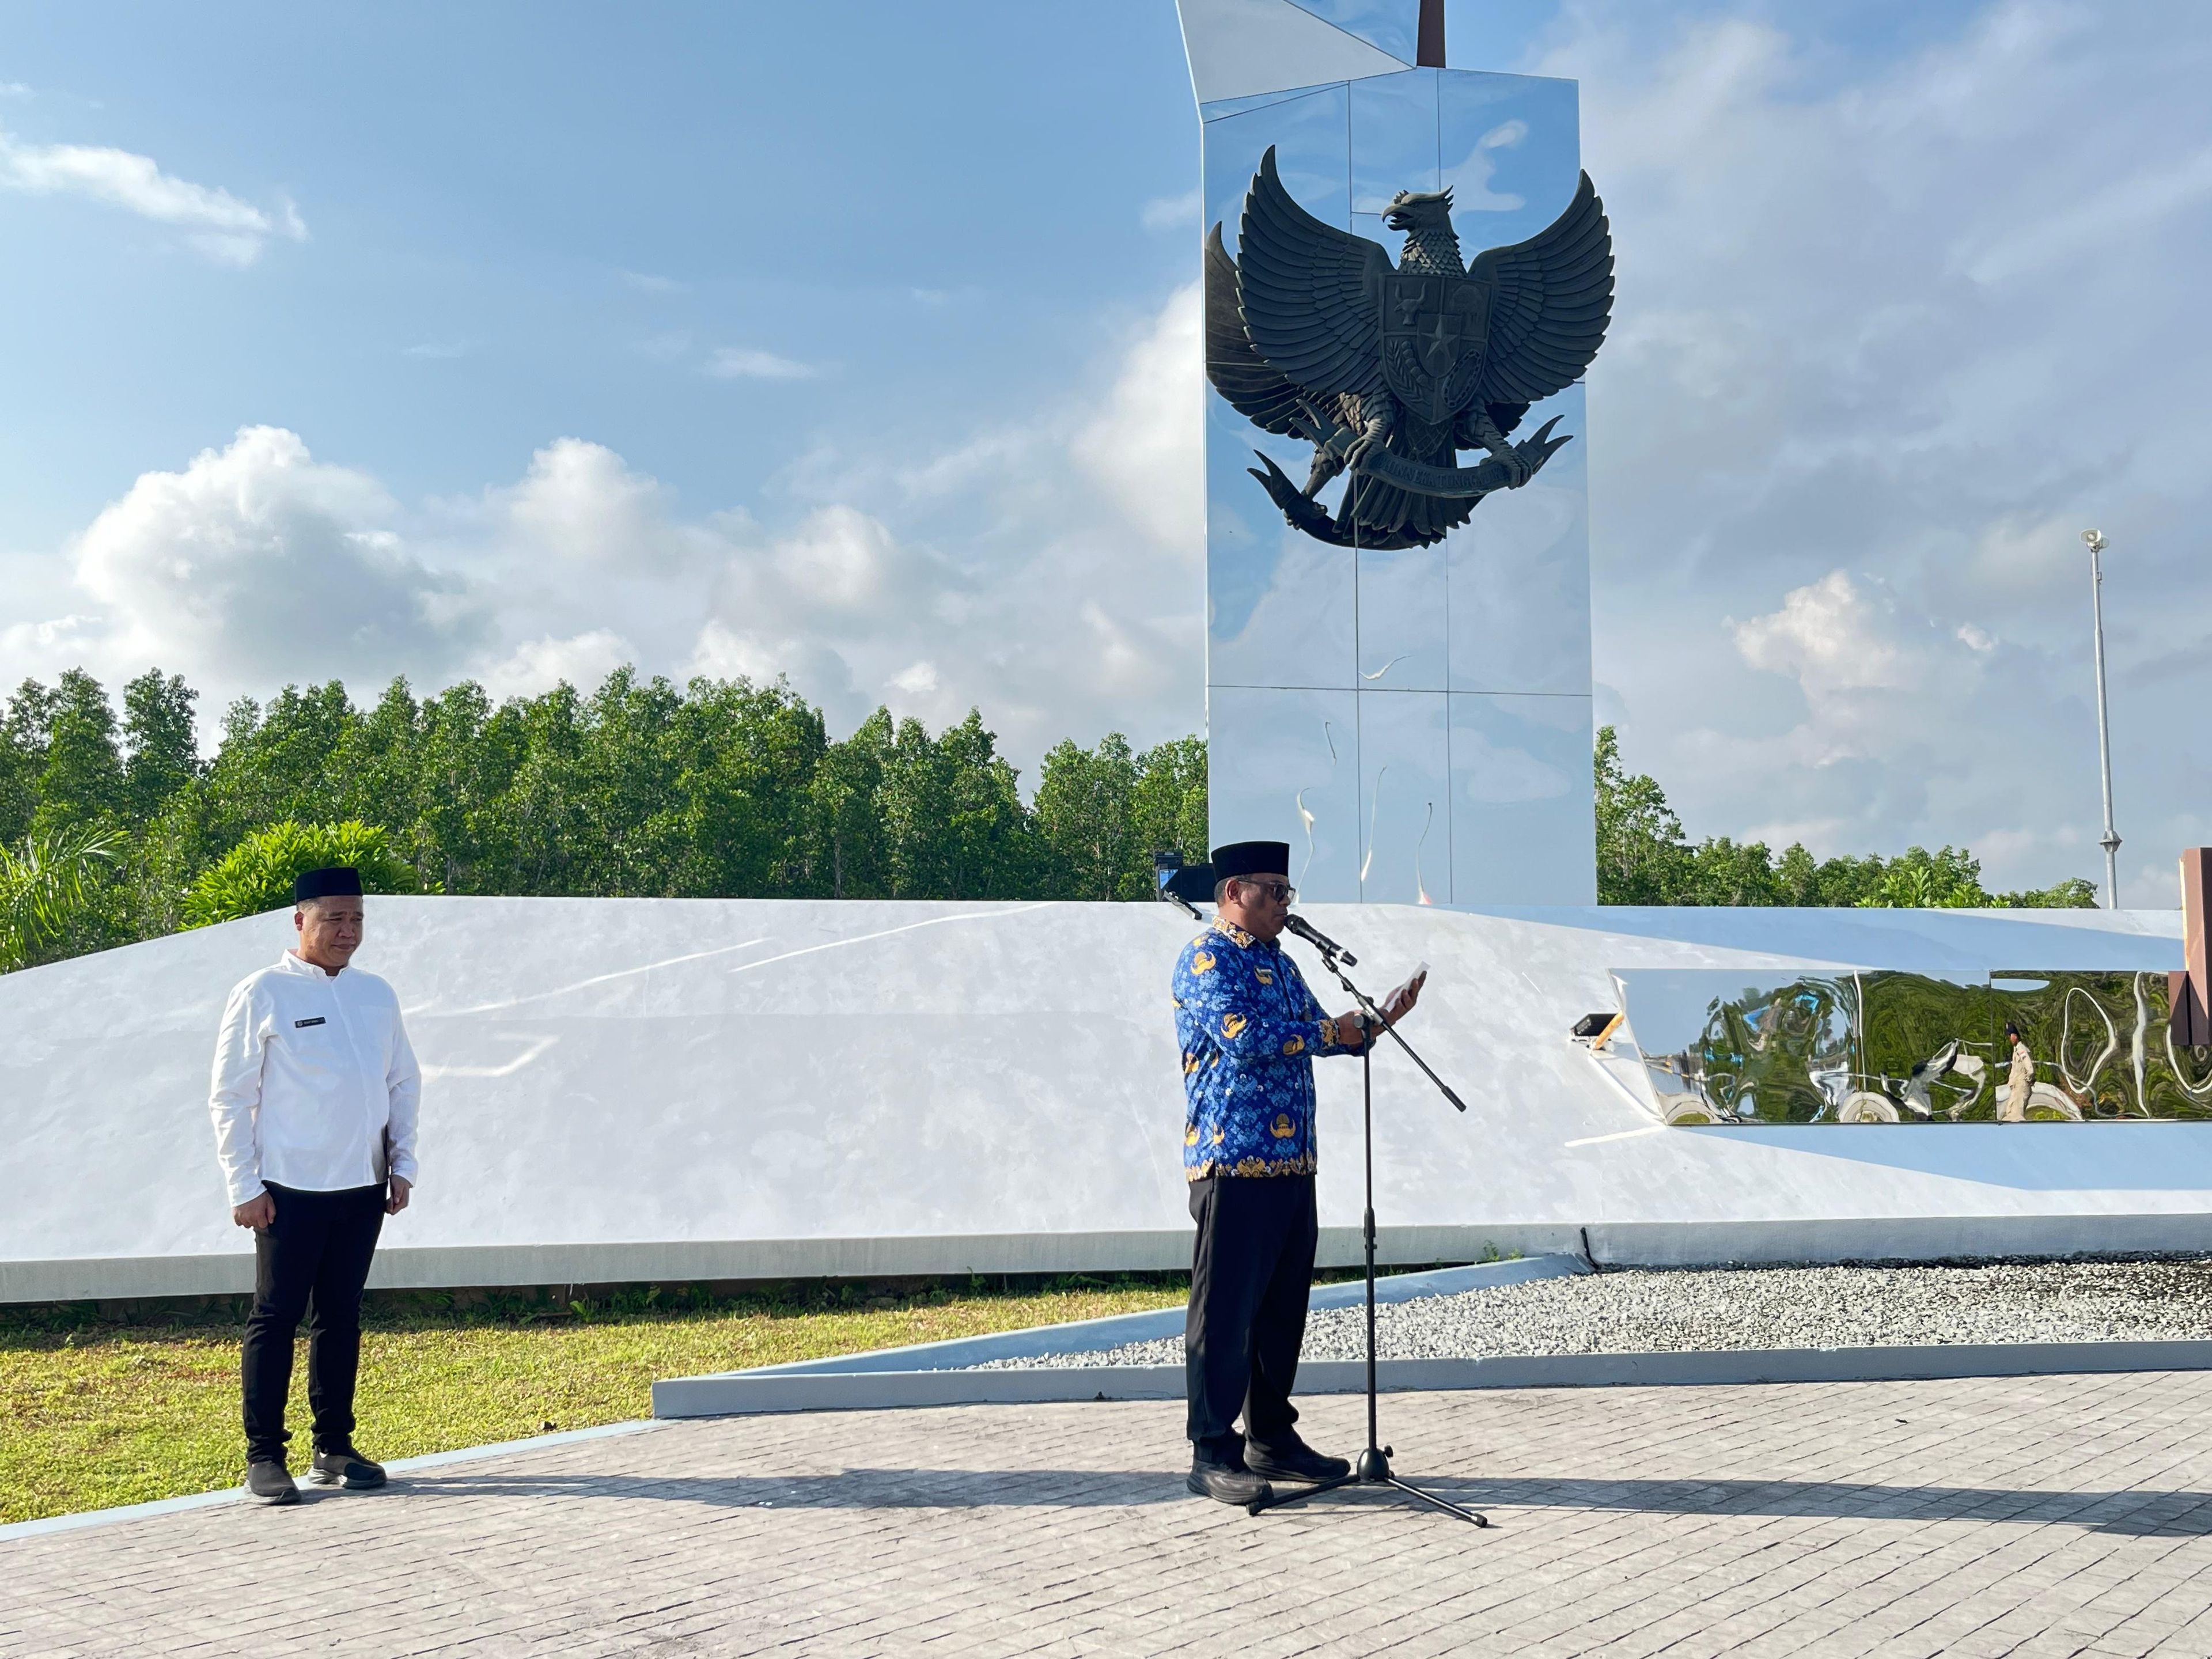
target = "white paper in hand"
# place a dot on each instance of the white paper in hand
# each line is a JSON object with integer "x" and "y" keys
{"x": 1413, "y": 983}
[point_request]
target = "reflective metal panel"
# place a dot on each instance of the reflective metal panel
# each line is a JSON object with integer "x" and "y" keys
{"x": 1402, "y": 609}
{"x": 1520, "y": 616}
{"x": 1925, "y": 1052}
{"x": 1523, "y": 827}
{"x": 1884, "y": 1046}
{"x": 1510, "y": 150}
{"x": 1313, "y": 154}
{"x": 1393, "y": 141}
{"x": 1393, "y": 25}
{"x": 2091, "y": 1041}
{"x": 1405, "y": 799}
{"x": 1242, "y": 48}
{"x": 1292, "y": 775}
{"x": 1222, "y": 108}
{"x": 1281, "y": 608}
{"x": 2177, "y": 1078}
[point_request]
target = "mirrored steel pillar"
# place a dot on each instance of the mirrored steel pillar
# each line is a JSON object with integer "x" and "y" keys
{"x": 1415, "y": 719}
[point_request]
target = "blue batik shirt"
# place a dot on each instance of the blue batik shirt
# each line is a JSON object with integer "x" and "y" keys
{"x": 1249, "y": 1030}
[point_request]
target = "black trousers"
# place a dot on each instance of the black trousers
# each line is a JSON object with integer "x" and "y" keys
{"x": 313, "y": 1259}
{"x": 1249, "y": 1281}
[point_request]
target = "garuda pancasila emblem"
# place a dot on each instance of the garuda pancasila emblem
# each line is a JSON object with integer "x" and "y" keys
{"x": 1389, "y": 372}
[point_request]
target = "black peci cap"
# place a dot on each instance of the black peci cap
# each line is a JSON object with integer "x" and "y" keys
{"x": 1251, "y": 858}
{"x": 335, "y": 881}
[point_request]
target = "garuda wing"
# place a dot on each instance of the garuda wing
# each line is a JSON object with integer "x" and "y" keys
{"x": 1550, "y": 299}
{"x": 1237, "y": 370}
{"x": 1311, "y": 294}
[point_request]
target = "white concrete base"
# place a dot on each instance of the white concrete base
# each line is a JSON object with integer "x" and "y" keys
{"x": 623, "y": 1089}
{"x": 756, "y": 1394}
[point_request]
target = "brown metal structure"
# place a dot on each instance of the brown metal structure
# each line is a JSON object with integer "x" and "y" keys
{"x": 2188, "y": 990}
{"x": 1429, "y": 44}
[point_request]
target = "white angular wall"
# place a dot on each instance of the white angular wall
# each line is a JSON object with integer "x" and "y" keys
{"x": 638, "y": 1089}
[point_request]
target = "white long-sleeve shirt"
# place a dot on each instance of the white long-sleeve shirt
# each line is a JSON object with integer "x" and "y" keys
{"x": 315, "y": 1085}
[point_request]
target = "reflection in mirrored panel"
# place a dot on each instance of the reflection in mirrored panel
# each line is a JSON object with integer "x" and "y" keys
{"x": 2076, "y": 1047}
{"x": 1405, "y": 798}
{"x": 1520, "y": 616}
{"x": 1402, "y": 609}
{"x": 1281, "y": 608}
{"x": 1524, "y": 830}
{"x": 1312, "y": 154}
{"x": 1392, "y": 25}
{"x": 1222, "y": 108}
{"x": 1293, "y": 773}
{"x": 1924, "y": 1048}
{"x": 1240, "y": 49}
{"x": 1393, "y": 141}
{"x": 1732, "y": 1046}
{"x": 1510, "y": 152}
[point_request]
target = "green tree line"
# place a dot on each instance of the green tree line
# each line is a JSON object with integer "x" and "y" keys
{"x": 1644, "y": 858}
{"x": 119, "y": 829}
{"x": 114, "y": 827}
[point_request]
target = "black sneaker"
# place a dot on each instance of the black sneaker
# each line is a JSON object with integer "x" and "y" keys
{"x": 345, "y": 1467}
{"x": 270, "y": 1483}
{"x": 1238, "y": 1486}
{"x": 1294, "y": 1460}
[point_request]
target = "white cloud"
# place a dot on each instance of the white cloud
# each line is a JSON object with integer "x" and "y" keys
{"x": 744, "y": 363}
{"x": 434, "y": 352}
{"x": 659, "y": 286}
{"x": 257, "y": 563}
{"x": 1144, "y": 446}
{"x": 581, "y": 503}
{"x": 1164, "y": 213}
{"x": 1047, "y": 571}
{"x": 1469, "y": 180}
{"x": 1829, "y": 638}
{"x": 1882, "y": 312}
{"x": 216, "y": 223}
{"x": 538, "y": 666}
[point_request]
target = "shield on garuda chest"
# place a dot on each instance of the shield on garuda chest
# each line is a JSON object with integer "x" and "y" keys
{"x": 1434, "y": 328}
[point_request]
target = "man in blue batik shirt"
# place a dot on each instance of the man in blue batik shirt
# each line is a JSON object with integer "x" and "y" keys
{"x": 1249, "y": 1030}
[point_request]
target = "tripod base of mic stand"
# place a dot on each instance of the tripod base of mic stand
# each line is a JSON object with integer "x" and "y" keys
{"x": 1372, "y": 1469}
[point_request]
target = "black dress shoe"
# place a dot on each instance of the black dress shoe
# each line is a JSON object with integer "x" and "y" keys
{"x": 345, "y": 1467}
{"x": 1238, "y": 1486}
{"x": 270, "y": 1483}
{"x": 1293, "y": 1460}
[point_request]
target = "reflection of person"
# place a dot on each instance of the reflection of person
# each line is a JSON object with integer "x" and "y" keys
{"x": 1249, "y": 1030}
{"x": 2020, "y": 1083}
{"x": 315, "y": 1096}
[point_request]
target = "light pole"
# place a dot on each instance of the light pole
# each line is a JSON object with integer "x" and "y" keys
{"x": 2094, "y": 541}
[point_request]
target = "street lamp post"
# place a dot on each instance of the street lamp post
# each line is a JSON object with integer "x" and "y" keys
{"x": 2094, "y": 541}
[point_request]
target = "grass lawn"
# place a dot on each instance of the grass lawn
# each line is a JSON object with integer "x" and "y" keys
{"x": 94, "y": 1412}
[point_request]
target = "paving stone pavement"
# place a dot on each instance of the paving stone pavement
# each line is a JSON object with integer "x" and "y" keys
{"x": 2025, "y": 1516}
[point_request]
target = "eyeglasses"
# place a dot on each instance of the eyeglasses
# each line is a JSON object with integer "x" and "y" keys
{"x": 1281, "y": 891}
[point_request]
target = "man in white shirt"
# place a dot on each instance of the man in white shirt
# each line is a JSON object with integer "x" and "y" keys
{"x": 314, "y": 1098}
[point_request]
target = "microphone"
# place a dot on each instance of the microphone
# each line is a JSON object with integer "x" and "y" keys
{"x": 1321, "y": 941}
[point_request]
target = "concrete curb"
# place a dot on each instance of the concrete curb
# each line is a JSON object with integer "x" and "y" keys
{"x": 1090, "y": 1335}
{"x": 400, "y": 1466}
{"x": 744, "y": 1393}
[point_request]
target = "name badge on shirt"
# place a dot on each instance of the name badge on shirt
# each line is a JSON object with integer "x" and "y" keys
{"x": 298, "y": 1024}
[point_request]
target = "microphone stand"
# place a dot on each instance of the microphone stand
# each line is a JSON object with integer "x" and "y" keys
{"x": 1372, "y": 1467}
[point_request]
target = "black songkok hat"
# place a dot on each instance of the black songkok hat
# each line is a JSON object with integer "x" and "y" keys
{"x": 1251, "y": 858}
{"x": 335, "y": 881}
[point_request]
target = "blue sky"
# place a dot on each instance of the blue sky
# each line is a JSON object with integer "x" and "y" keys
{"x": 856, "y": 342}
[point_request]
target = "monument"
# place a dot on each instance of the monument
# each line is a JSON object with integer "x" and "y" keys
{"x": 1398, "y": 679}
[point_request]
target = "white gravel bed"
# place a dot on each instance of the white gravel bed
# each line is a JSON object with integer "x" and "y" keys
{"x": 1636, "y": 1311}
